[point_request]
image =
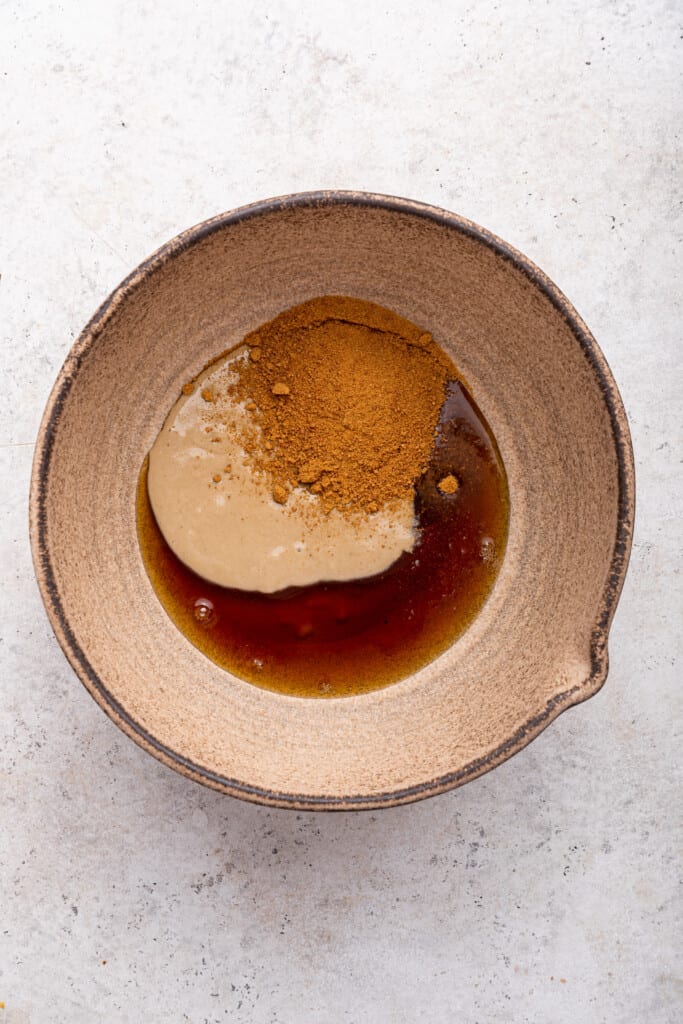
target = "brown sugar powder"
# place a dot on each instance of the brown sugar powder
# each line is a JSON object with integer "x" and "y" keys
{"x": 448, "y": 484}
{"x": 347, "y": 396}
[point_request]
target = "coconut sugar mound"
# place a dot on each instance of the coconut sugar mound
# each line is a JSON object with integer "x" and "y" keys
{"x": 347, "y": 397}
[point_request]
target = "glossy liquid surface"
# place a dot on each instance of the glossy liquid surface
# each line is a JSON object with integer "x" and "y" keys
{"x": 340, "y": 639}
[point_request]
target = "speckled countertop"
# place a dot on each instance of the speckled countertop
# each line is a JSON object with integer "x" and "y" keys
{"x": 545, "y": 891}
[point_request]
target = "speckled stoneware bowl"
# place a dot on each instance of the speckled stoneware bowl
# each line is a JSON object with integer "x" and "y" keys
{"x": 540, "y": 643}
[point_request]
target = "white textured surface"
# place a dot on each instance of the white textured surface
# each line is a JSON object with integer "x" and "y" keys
{"x": 544, "y": 892}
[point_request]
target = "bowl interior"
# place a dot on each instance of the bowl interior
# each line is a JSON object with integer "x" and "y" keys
{"x": 539, "y": 643}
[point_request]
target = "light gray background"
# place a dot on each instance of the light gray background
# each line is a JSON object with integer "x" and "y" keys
{"x": 545, "y": 891}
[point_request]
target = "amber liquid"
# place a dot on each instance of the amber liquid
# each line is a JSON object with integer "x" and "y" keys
{"x": 340, "y": 639}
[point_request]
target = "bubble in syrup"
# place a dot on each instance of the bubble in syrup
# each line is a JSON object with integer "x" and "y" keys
{"x": 204, "y": 611}
{"x": 488, "y": 550}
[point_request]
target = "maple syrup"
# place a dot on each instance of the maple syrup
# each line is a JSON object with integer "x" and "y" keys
{"x": 341, "y": 639}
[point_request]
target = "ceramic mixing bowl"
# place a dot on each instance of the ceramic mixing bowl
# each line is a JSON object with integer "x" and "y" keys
{"x": 540, "y": 643}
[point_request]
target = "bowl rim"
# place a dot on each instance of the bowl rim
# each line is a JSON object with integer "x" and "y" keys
{"x": 45, "y": 576}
